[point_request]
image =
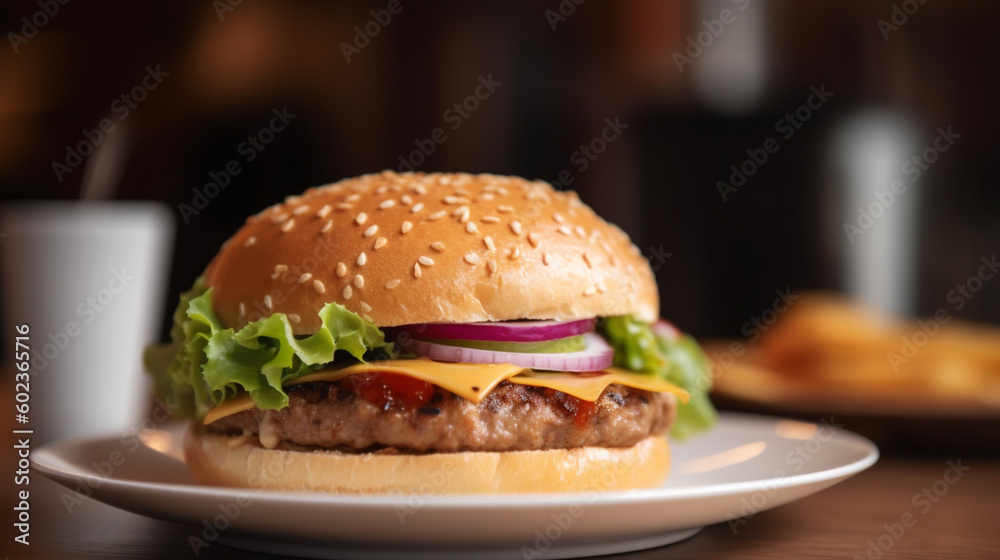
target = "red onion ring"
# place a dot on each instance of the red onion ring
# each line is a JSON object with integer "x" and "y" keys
{"x": 506, "y": 331}
{"x": 596, "y": 356}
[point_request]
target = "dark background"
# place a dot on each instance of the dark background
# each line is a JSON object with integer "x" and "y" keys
{"x": 229, "y": 68}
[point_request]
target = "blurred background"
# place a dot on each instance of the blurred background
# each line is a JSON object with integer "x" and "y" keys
{"x": 756, "y": 151}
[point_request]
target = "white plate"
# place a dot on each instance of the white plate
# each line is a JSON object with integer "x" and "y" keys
{"x": 744, "y": 465}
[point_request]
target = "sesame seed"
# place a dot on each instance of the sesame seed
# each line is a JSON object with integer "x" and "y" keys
{"x": 324, "y": 211}
{"x": 426, "y": 261}
{"x": 465, "y": 217}
{"x": 534, "y": 238}
{"x": 487, "y": 196}
{"x": 405, "y": 199}
{"x": 580, "y": 231}
{"x": 348, "y": 292}
{"x": 279, "y": 268}
{"x": 489, "y": 243}
{"x": 300, "y": 210}
{"x": 471, "y": 227}
{"x": 243, "y": 309}
{"x": 437, "y": 215}
{"x": 505, "y": 208}
{"x": 386, "y": 204}
{"x": 380, "y": 242}
{"x": 365, "y": 306}
{"x": 319, "y": 287}
{"x": 601, "y": 287}
{"x": 287, "y": 226}
{"x": 341, "y": 269}
{"x": 405, "y": 227}
{"x": 547, "y": 259}
{"x": 344, "y": 206}
{"x": 490, "y": 219}
{"x": 250, "y": 241}
{"x": 586, "y": 259}
{"x": 503, "y": 191}
{"x": 381, "y": 190}
{"x": 268, "y": 302}
{"x": 492, "y": 265}
{"x": 460, "y": 210}
{"x": 444, "y": 180}
{"x": 416, "y": 270}
{"x": 361, "y": 218}
{"x": 565, "y": 230}
{"x": 292, "y": 199}
{"x": 362, "y": 259}
{"x": 367, "y": 317}
{"x": 305, "y": 278}
{"x": 295, "y": 317}
{"x": 419, "y": 189}
{"x": 472, "y": 258}
{"x": 515, "y": 253}
{"x": 463, "y": 192}
{"x": 392, "y": 283}
{"x": 353, "y": 198}
{"x": 591, "y": 290}
{"x": 451, "y": 199}
{"x": 278, "y": 218}
{"x": 417, "y": 207}
{"x": 438, "y": 246}
{"x": 327, "y": 226}
{"x": 558, "y": 218}
{"x": 359, "y": 281}
{"x": 515, "y": 227}
{"x": 371, "y": 231}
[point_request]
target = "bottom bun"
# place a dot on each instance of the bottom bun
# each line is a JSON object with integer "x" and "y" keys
{"x": 241, "y": 461}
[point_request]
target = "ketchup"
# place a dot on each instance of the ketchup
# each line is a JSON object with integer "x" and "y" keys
{"x": 582, "y": 411}
{"x": 385, "y": 389}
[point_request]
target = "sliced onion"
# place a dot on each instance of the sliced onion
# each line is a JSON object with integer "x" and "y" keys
{"x": 596, "y": 356}
{"x": 507, "y": 331}
{"x": 666, "y": 330}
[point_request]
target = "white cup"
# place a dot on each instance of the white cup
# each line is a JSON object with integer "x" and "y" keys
{"x": 89, "y": 279}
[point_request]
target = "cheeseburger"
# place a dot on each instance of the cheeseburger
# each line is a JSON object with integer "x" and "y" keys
{"x": 441, "y": 333}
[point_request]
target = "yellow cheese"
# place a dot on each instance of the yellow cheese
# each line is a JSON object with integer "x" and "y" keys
{"x": 590, "y": 387}
{"x": 475, "y": 381}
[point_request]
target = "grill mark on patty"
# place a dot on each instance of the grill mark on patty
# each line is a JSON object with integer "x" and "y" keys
{"x": 511, "y": 417}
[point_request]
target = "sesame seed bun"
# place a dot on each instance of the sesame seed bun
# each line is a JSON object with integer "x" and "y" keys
{"x": 419, "y": 248}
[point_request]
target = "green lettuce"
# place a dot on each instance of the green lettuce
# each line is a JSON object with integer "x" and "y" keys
{"x": 638, "y": 348}
{"x": 207, "y": 363}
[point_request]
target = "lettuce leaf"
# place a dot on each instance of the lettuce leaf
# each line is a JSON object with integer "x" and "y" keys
{"x": 208, "y": 363}
{"x": 681, "y": 362}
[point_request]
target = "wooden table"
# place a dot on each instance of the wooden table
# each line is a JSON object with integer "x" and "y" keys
{"x": 845, "y": 521}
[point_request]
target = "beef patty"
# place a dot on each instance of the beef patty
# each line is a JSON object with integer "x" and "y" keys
{"x": 512, "y": 417}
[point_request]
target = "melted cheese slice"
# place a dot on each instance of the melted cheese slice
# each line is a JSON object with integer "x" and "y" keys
{"x": 475, "y": 381}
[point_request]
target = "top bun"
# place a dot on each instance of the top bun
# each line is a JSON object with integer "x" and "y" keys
{"x": 429, "y": 248}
